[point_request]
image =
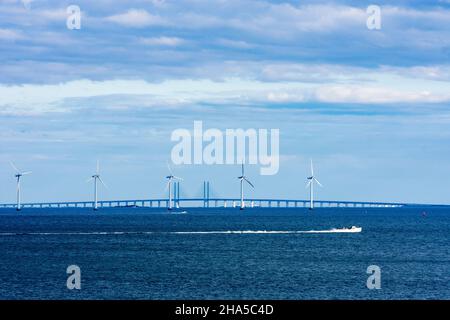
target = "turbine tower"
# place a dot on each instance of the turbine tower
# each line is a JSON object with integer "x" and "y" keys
{"x": 96, "y": 177}
{"x": 243, "y": 178}
{"x": 18, "y": 175}
{"x": 311, "y": 180}
{"x": 170, "y": 179}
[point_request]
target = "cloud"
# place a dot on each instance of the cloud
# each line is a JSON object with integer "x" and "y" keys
{"x": 277, "y": 52}
{"x": 285, "y": 97}
{"x": 382, "y": 88}
{"x": 58, "y": 15}
{"x": 237, "y": 44}
{"x": 11, "y": 35}
{"x": 375, "y": 95}
{"x": 268, "y": 41}
{"x": 431, "y": 72}
{"x": 162, "y": 41}
{"x": 292, "y": 21}
{"x": 137, "y": 18}
{"x": 318, "y": 72}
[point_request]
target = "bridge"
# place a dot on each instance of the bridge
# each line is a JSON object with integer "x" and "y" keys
{"x": 213, "y": 203}
{"x": 206, "y": 201}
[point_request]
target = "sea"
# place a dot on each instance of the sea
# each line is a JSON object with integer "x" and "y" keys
{"x": 225, "y": 253}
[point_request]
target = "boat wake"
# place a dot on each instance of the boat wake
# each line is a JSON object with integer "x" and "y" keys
{"x": 334, "y": 230}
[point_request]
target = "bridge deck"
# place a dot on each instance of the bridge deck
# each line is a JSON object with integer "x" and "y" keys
{"x": 212, "y": 202}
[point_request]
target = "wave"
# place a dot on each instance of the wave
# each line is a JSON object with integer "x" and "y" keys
{"x": 177, "y": 232}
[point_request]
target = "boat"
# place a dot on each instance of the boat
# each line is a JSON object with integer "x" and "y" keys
{"x": 352, "y": 229}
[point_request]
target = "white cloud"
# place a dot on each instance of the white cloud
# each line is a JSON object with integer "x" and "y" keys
{"x": 124, "y": 94}
{"x": 137, "y": 18}
{"x": 238, "y": 44}
{"x": 376, "y": 95}
{"x": 11, "y": 35}
{"x": 312, "y": 72}
{"x": 278, "y": 33}
{"x": 280, "y": 97}
{"x": 433, "y": 72}
{"x": 52, "y": 14}
{"x": 407, "y": 15}
{"x": 162, "y": 41}
{"x": 287, "y": 22}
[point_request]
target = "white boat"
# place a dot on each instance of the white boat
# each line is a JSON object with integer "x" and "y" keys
{"x": 353, "y": 229}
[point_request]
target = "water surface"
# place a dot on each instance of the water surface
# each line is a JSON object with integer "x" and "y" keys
{"x": 137, "y": 253}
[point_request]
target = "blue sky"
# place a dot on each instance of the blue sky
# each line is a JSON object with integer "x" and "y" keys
{"x": 371, "y": 107}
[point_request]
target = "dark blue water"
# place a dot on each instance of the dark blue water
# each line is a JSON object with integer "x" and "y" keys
{"x": 147, "y": 260}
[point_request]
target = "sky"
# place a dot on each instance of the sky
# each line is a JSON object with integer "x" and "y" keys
{"x": 371, "y": 107}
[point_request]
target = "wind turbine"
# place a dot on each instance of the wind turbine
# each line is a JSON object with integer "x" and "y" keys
{"x": 18, "y": 175}
{"x": 170, "y": 178}
{"x": 243, "y": 178}
{"x": 311, "y": 180}
{"x": 96, "y": 177}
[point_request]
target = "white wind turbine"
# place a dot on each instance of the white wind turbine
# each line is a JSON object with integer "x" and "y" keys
{"x": 96, "y": 177}
{"x": 243, "y": 178}
{"x": 18, "y": 175}
{"x": 311, "y": 180}
{"x": 170, "y": 178}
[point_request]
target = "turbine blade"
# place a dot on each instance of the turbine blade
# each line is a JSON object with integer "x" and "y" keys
{"x": 307, "y": 184}
{"x": 100, "y": 179}
{"x": 98, "y": 167}
{"x": 178, "y": 178}
{"x": 312, "y": 168}
{"x": 14, "y": 167}
{"x": 242, "y": 168}
{"x": 170, "y": 169}
{"x": 249, "y": 182}
{"x": 89, "y": 180}
{"x": 27, "y": 172}
{"x": 318, "y": 182}
{"x": 167, "y": 186}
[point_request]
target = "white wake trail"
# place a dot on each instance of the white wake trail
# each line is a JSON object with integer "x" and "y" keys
{"x": 343, "y": 230}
